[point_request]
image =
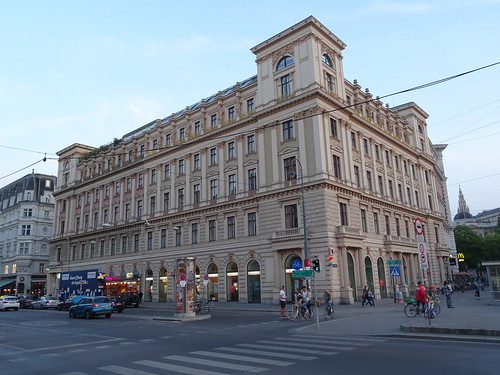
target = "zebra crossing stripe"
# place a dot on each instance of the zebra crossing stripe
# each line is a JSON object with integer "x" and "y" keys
{"x": 244, "y": 358}
{"x": 335, "y": 339}
{"x": 294, "y": 350}
{"x": 176, "y": 368}
{"x": 329, "y": 342}
{"x": 122, "y": 370}
{"x": 269, "y": 354}
{"x": 209, "y": 362}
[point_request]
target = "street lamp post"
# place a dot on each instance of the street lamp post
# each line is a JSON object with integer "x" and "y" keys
{"x": 307, "y": 261}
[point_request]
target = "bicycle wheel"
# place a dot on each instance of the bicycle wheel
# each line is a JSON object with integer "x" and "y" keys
{"x": 211, "y": 305}
{"x": 437, "y": 308}
{"x": 411, "y": 310}
{"x": 307, "y": 314}
{"x": 328, "y": 314}
{"x": 292, "y": 312}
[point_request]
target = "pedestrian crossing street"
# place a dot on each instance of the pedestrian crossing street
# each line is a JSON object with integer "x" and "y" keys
{"x": 249, "y": 357}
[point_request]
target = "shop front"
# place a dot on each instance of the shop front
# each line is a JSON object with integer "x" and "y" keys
{"x": 113, "y": 285}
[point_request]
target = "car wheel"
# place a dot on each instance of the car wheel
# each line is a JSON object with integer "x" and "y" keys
{"x": 59, "y": 308}
{"x": 72, "y": 314}
{"x": 108, "y": 315}
{"x": 40, "y": 307}
{"x": 120, "y": 311}
{"x": 15, "y": 308}
{"x": 88, "y": 315}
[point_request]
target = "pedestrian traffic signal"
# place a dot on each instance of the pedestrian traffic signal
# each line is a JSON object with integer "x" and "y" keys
{"x": 315, "y": 263}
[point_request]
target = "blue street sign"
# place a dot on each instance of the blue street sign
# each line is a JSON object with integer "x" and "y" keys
{"x": 394, "y": 271}
{"x": 296, "y": 264}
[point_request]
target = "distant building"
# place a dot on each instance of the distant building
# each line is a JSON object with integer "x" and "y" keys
{"x": 482, "y": 223}
{"x": 245, "y": 179}
{"x": 26, "y": 227}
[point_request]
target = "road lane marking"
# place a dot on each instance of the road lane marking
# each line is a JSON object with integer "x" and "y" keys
{"x": 122, "y": 370}
{"x": 244, "y": 358}
{"x": 176, "y": 368}
{"x": 293, "y": 350}
{"x": 269, "y": 354}
{"x": 208, "y": 362}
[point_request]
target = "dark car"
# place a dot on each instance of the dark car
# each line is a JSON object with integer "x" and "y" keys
{"x": 90, "y": 307}
{"x": 130, "y": 299}
{"x": 25, "y": 302}
{"x": 117, "y": 304}
{"x": 65, "y": 305}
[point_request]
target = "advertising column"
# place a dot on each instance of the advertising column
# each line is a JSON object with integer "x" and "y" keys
{"x": 185, "y": 280}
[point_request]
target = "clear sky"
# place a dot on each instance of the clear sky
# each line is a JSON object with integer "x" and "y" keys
{"x": 91, "y": 71}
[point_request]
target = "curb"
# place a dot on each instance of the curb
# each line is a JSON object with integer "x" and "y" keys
{"x": 452, "y": 331}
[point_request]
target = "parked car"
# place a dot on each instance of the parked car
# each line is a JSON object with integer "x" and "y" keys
{"x": 25, "y": 301}
{"x": 45, "y": 302}
{"x": 9, "y": 303}
{"x": 117, "y": 304}
{"x": 90, "y": 307}
{"x": 65, "y": 305}
{"x": 131, "y": 299}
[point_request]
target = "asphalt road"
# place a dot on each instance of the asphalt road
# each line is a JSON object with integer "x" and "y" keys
{"x": 48, "y": 342}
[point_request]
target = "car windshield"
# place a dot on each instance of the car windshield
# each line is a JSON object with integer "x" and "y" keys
{"x": 51, "y": 298}
{"x": 102, "y": 300}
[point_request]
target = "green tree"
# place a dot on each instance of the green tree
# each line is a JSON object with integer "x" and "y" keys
{"x": 492, "y": 246}
{"x": 471, "y": 245}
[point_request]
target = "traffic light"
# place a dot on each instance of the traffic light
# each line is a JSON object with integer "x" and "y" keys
{"x": 315, "y": 263}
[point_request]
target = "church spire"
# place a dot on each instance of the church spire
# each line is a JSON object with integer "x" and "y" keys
{"x": 462, "y": 205}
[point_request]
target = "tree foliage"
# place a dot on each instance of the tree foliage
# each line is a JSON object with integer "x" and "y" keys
{"x": 475, "y": 247}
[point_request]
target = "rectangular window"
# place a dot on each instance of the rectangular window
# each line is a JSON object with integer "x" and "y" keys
{"x": 129, "y": 184}
{"x": 353, "y": 140}
{"x": 96, "y": 219}
{"x": 211, "y": 230}
{"x": 196, "y": 193}
{"x": 124, "y": 244}
{"x": 213, "y": 156}
{"x": 413, "y": 172}
{"x": 398, "y": 227}
{"x": 231, "y": 227}
{"x": 286, "y": 87}
{"x": 250, "y": 105}
{"x": 166, "y": 201}
{"x": 436, "y": 234}
{"x": 391, "y": 189}
{"x": 405, "y": 166}
{"x": 376, "y": 223}
{"x": 139, "y": 208}
{"x": 333, "y": 128}
{"x": 291, "y": 216}
{"x": 344, "y": 218}
{"x": 73, "y": 252}
{"x": 178, "y": 236}
{"x": 377, "y": 152}
{"x": 252, "y": 179}
{"x": 288, "y": 131}
{"x": 194, "y": 233}
{"x": 142, "y": 151}
{"x": 196, "y": 162}
{"x": 408, "y": 194}
{"x": 25, "y": 230}
{"x": 407, "y": 228}
{"x": 168, "y": 140}
{"x": 180, "y": 197}
{"x": 337, "y": 167}
{"x": 232, "y": 184}
{"x": 163, "y": 238}
{"x": 387, "y": 157}
{"x": 112, "y": 246}
{"x": 213, "y": 189}
{"x": 396, "y": 162}
{"x": 101, "y": 248}
{"x": 181, "y": 166}
{"x": 251, "y": 144}
{"x": 252, "y": 223}
{"x": 82, "y": 251}
{"x": 329, "y": 82}
{"x": 127, "y": 211}
{"x": 182, "y": 134}
{"x": 153, "y": 176}
{"x": 400, "y": 192}
{"x": 116, "y": 213}
{"x": 417, "y": 200}
{"x": 387, "y": 225}
{"x": 431, "y": 206}
{"x": 365, "y": 146}
{"x": 231, "y": 113}
{"x": 140, "y": 180}
{"x": 92, "y": 250}
{"x": 166, "y": 171}
{"x": 426, "y": 174}
{"x": 137, "y": 238}
{"x": 231, "y": 151}
{"x": 213, "y": 120}
{"x": 364, "y": 223}
{"x": 369, "y": 180}
{"x": 197, "y": 128}
{"x": 380, "y": 185}
{"x": 290, "y": 167}
{"x": 152, "y": 205}
{"x": 155, "y": 144}
{"x": 357, "y": 178}
{"x": 150, "y": 241}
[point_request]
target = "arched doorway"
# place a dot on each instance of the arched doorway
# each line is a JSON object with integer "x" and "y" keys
{"x": 292, "y": 284}
{"x": 148, "y": 296}
{"x": 253, "y": 281}
{"x": 162, "y": 287}
{"x": 213, "y": 280}
{"x": 232, "y": 282}
{"x": 369, "y": 273}
{"x": 352, "y": 276}
{"x": 381, "y": 278}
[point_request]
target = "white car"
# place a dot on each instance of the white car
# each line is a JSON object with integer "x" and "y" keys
{"x": 45, "y": 302}
{"x": 9, "y": 303}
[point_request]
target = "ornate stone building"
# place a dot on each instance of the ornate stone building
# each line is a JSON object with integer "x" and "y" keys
{"x": 225, "y": 181}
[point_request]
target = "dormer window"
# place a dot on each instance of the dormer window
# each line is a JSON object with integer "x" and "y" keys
{"x": 326, "y": 59}
{"x": 285, "y": 62}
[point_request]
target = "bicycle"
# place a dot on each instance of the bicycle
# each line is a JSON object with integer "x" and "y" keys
{"x": 296, "y": 311}
{"x": 201, "y": 306}
{"x": 432, "y": 308}
{"x": 328, "y": 314}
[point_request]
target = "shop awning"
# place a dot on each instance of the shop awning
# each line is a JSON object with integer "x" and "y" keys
{"x": 5, "y": 282}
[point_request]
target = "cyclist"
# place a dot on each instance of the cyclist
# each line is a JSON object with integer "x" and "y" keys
{"x": 306, "y": 299}
{"x": 327, "y": 297}
{"x": 420, "y": 296}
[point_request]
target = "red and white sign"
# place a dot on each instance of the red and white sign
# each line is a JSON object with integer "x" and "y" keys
{"x": 419, "y": 226}
{"x": 422, "y": 256}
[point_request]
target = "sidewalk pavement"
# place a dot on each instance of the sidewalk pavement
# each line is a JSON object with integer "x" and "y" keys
{"x": 471, "y": 319}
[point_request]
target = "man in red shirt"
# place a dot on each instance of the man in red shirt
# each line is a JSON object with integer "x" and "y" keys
{"x": 420, "y": 296}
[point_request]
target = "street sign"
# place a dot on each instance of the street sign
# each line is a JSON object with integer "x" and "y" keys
{"x": 419, "y": 226}
{"x": 422, "y": 256}
{"x": 393, "y": 262}
{"x": 205, "y": 277}
{"x": 296, "y": 264}
{"x": 394, "y": 271}
{"x": 302, "y": 273}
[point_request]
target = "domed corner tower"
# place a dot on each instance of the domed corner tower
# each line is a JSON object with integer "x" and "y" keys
{"x": 304, "y": 57}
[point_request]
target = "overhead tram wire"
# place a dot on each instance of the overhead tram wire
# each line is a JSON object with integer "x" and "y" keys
{"x": 19, "y": 170}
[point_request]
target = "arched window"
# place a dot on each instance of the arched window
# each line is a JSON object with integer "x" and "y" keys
{"x": 326, "y": 59}
{"x": 284, "y": 62}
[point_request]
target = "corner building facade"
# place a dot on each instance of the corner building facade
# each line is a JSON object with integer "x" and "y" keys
{"x": 223, "y": 181}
